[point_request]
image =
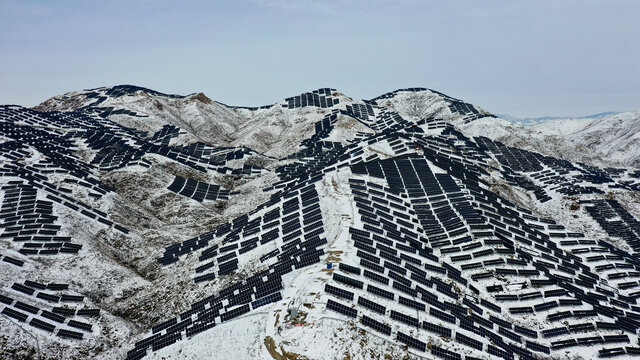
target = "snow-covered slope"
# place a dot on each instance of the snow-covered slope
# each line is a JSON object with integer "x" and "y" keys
{"x": 136, "y": 224}
{"x": 148, "y": 111}
{"x": 615, "y": 137}
{"x": 609, "y": 140}
{"x": 273, "y": 130}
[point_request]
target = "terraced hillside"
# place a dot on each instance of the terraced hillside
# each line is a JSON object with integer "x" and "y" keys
{"x": 136, "y": 224}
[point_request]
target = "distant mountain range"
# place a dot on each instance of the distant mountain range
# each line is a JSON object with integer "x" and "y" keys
{"x": 535, "y": 120}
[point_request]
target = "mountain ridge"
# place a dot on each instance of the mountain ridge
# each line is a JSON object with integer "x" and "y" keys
{"x": 235, "y": 130}
{"x": 237, "y": 121}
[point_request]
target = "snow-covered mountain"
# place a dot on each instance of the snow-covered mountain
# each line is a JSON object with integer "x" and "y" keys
{"x": 273, "y": 130}
{"x": 136, "y": 224}
{"x": 609, "y": 140}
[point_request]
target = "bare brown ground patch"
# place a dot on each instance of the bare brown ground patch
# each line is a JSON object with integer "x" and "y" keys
{"x": 270, "y": 344}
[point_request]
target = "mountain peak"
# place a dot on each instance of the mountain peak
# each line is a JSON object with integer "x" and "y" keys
{"x": 201, "y": 97}
{"x": 122, "y": 90}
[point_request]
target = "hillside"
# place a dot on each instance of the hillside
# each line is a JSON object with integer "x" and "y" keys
{"x": 136, "y": 224}
{"x": 610, "y": 140}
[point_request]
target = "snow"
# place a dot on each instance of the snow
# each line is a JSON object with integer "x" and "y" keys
{"x": 417, "y": 105}
{"x": 561, "y": 127}
{"x": 492, "y": 128}
{"x": 611, "y": 140}
{"x": 324, "y": 335}
{"x": 119, "y": 273}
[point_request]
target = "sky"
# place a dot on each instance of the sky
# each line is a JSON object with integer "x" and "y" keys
{"x": 523, "y": 58}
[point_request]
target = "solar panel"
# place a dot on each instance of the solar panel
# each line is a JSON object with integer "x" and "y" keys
{"x": 6, "y": 300}
{"x": 368, "y": 257}
{"x": 411, "y": 341}
{"x": 442, "y": 315}
{"x": 376, "y": 277}
{"x": 440, "y": 330}
{"x": 42, "y": 325}
{"x": 411, "y": 303}
{"x": 380, "y": 292}
{"x": 70, "y": 334}
{"x": 525, "y": 331}
{"x": 338, "y": 292}
{"x": 51, "y": 316}
{"x": 409, "y": 320}
{"x": 492, "y": 350}
{"x": 80, "y": 325}
{"x": 376, "y": 325}
{"x": 605, "y": 353}
{"x": 349, "y": 268}
{"x": 26, "y": 307}
{"x": 616, "y": 338}
{"x": 22, "y": 288}
{"x": 88, "y": 312}
{"x": 466, "y": 340}
{"x": 404, "y": 288}
{"x": 15, "y": 314}
{"x": 555, "y": 332}
{"x": 342, "y": 309}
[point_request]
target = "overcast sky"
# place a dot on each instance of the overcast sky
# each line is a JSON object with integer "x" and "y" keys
{"x": 524, "y": 58}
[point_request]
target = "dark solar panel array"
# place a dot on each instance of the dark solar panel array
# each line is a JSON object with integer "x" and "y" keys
{"x": 23, "y": 303}
{"x": 523, "y": 168}
{"x": 428, "y": 240}
{"x": 393, "y": 93}
{"x": 322, "y": 130}
{"x": 336, "y": 291}
{"x": 31, "y": 222}
{"x": 115, "y": 146}
{"x": 164, "y": 135}
{"x": 198, "y": 190}
{"x": 291, "y": 222}
{"x": 41, "y": 132}
{"x": 322, "y": 98}
{"x": 380, "y": 261}
{"x": 468, "y": 111}
{"x": 615, "y": 220}
{"x": 375, "y": 325}
{"x": 411, "y": 341}
{"x": 360, "y": 111}
{"x": 341, "y": 308}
